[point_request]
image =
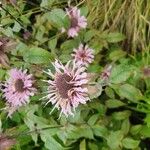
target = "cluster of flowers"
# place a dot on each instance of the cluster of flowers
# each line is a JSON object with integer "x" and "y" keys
{"x": 66, "y": 87}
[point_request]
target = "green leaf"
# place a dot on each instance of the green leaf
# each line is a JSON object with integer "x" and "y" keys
{"x": 100, "y": 130}
{"x": 135, "y": 129}
{"x": 25, "y": 19}
{"x": 52, "y": 144}
{"x": 40, "y": 34}
{"x": 130, "y": 143}
{"x": 21, "y": 49}
{"x": 82, "y": 131}
{"x": 147, "y": 120}
{"x": 120, "y": 74}
{"x": 110, "y": 92}
{"x": 93, "y": 119}
{"x": 89, "y": 35}
{"x": 47, "y": 3}
{"x": 2, "y": 74}
{"x": 0, "y": 126}
{"x": 58, "y": 18}
{"x": 8, "y": 32}
{"x": 116, "y": 55}
{"x": 92, "y": 146}
{"x": 69, "y": 45}
{"x": 6, "y": 21}
{"x": 84, "y": 10}
{"x": 125, "y": 126}
{"x": 121, "y": 115}
{"x": 115, "y": 37}
{"x": 113, "y": 103}
{"x": 16, "y": 27}
{"x": 37, "y": 55}
{"x": 130, "y": 92}
{"x": 114, "y": 140}
{"x": 52, "y": 44}
{"x": 145, "y": 131}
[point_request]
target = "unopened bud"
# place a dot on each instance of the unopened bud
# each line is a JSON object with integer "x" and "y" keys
{"x": 106, "y": 72}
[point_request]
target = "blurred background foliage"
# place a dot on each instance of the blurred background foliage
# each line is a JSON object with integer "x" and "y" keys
{"x": 119, "y": 32}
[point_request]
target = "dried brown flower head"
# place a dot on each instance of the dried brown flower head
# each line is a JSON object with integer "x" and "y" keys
{"x": 6, "y": 45}
{"x": 6, "y": 143}
{"x": 146, "y": 71}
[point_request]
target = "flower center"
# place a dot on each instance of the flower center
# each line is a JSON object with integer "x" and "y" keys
{"x": 74, "y": 22}
{"x": 63, "y": 85}
{"x": 82, "y": 55}
{"x": 19, "y": 85}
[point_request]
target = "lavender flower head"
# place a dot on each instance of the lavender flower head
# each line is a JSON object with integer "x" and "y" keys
{"x": 67, "y": 88}
{"x": 17, "y": 89}
{"x": 77, "y": 21}
{"x": 83, "y": 55}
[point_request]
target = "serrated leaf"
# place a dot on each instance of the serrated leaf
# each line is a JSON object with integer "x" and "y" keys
{"x": 36, "y": 55}
{"x": 130, "y": 92}
{"x": 130, "y": 143}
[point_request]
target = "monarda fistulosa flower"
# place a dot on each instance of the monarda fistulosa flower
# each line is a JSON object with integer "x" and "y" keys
{"x": 83, "y": 55}
{"x": 66, "y": 90}
{"x": 18, "y": 89}
{"x": 77, "y": 22}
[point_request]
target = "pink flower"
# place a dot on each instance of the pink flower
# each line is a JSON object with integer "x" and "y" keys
{"x": 83, "y": 55}
{"x": 67, "y": 88}
{"x": 77, "y": 21}
{"x": 18, "y": 89}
